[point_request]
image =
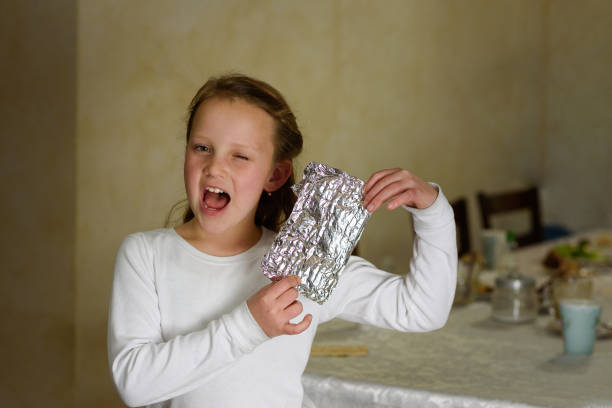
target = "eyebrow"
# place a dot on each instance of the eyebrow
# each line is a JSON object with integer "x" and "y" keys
{"x": 203, "y": 139}
{"x": 243, "y": 146}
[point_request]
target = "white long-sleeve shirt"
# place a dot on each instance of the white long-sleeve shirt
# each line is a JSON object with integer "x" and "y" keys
{"x": 181, "y": 335}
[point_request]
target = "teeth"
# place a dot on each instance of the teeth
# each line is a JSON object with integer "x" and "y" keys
{"x": 215, "y": 190}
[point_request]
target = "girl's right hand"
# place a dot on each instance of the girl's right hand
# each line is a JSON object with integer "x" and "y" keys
{"x": 274, "y": 305}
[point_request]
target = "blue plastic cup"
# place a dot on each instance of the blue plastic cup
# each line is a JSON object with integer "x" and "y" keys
{"x": 580, "y": 319}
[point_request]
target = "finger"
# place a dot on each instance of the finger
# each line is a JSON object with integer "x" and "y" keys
{"x": 291, "y": 328}
{"x": 398, "y": 176}
{"x": 389, "y": 192}
{"x": 287, "y": 297}
{"x": 416, "y": 197}
{"x": 375, "y": 177}
{"x": 293, "y": 310}
{"x": 407, "y": 198}
{"x": 280, "y": 287}
{"x": 264, "y": 289}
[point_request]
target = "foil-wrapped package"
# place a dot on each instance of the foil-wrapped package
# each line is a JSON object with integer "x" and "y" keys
{"x": 317, "y": 239}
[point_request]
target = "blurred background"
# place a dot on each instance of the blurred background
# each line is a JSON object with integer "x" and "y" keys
{"x": 474, "y": 95}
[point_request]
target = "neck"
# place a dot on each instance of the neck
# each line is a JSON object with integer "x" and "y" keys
{"x": 225, "y": 244}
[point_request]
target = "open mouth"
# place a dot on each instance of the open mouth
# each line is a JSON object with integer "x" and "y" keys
{"x": 215, "y": 198}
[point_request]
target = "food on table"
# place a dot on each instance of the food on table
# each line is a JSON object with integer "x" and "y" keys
{"x": 567, "y": 259}
{"x": 604, "y": 241}
{"x": 576, "y": 251}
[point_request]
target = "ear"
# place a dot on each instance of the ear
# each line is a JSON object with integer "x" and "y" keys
{"x": 278, "y": 176}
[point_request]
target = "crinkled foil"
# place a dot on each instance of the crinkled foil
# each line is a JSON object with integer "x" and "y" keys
{"x": 317, "y": 239}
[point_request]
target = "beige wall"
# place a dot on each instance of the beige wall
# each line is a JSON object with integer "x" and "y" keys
{"x": 578, "y": 186}
{"x": 37, "y": 163}
{"x": 443, "y": 89}
{"x": 473, "y": 95}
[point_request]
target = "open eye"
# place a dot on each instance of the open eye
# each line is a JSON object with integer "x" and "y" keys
{"x": 201, "y": 148}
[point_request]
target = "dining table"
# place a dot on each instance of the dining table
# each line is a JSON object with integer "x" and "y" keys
{"x": 473, "y": 361}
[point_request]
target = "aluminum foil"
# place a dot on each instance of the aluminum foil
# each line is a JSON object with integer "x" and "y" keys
{"x": 317, "y": 239}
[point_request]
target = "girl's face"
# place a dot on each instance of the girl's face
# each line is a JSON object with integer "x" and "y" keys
{"x": 229, "y": 161}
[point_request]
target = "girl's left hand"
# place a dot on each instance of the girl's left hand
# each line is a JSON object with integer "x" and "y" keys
{"x": 397, "y": 187}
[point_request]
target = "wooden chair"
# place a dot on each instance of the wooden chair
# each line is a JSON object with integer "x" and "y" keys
{"x": 463, "y": 227}
{"x": 528, "y": 199}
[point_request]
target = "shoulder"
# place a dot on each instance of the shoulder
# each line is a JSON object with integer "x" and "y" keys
{"x": 139, "y": 253}
{"x": 145, "y": 243}
{"x": 147, "y": 237}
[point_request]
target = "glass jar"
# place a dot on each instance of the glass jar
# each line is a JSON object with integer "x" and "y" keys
{"x": 467, "y": 278}
{"x": 574, "y": 287}
{"x": 514, "y": 299}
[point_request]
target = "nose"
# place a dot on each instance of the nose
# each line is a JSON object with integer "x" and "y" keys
{"x": 215, "y": 167}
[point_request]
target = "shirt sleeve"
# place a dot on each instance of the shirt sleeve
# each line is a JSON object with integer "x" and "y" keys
{"x": 145, "y": 368}
{"x": 419, "y": 301}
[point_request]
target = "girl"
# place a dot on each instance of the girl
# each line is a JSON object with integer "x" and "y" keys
{"x": 194, "y": 322}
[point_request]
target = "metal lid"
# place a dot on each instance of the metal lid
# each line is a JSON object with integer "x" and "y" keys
{"x": 515, "y": 282}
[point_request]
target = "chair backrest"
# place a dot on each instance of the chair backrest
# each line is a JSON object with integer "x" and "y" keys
{"x": 528, "y": 199}
{"x": 463, "y": 227}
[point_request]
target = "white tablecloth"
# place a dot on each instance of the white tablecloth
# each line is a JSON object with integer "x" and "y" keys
{"x": 338, "y": 393}
{"x": 473, "y": 361}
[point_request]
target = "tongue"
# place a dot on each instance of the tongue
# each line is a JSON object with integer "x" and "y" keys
{"x": 215, "y": 201}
